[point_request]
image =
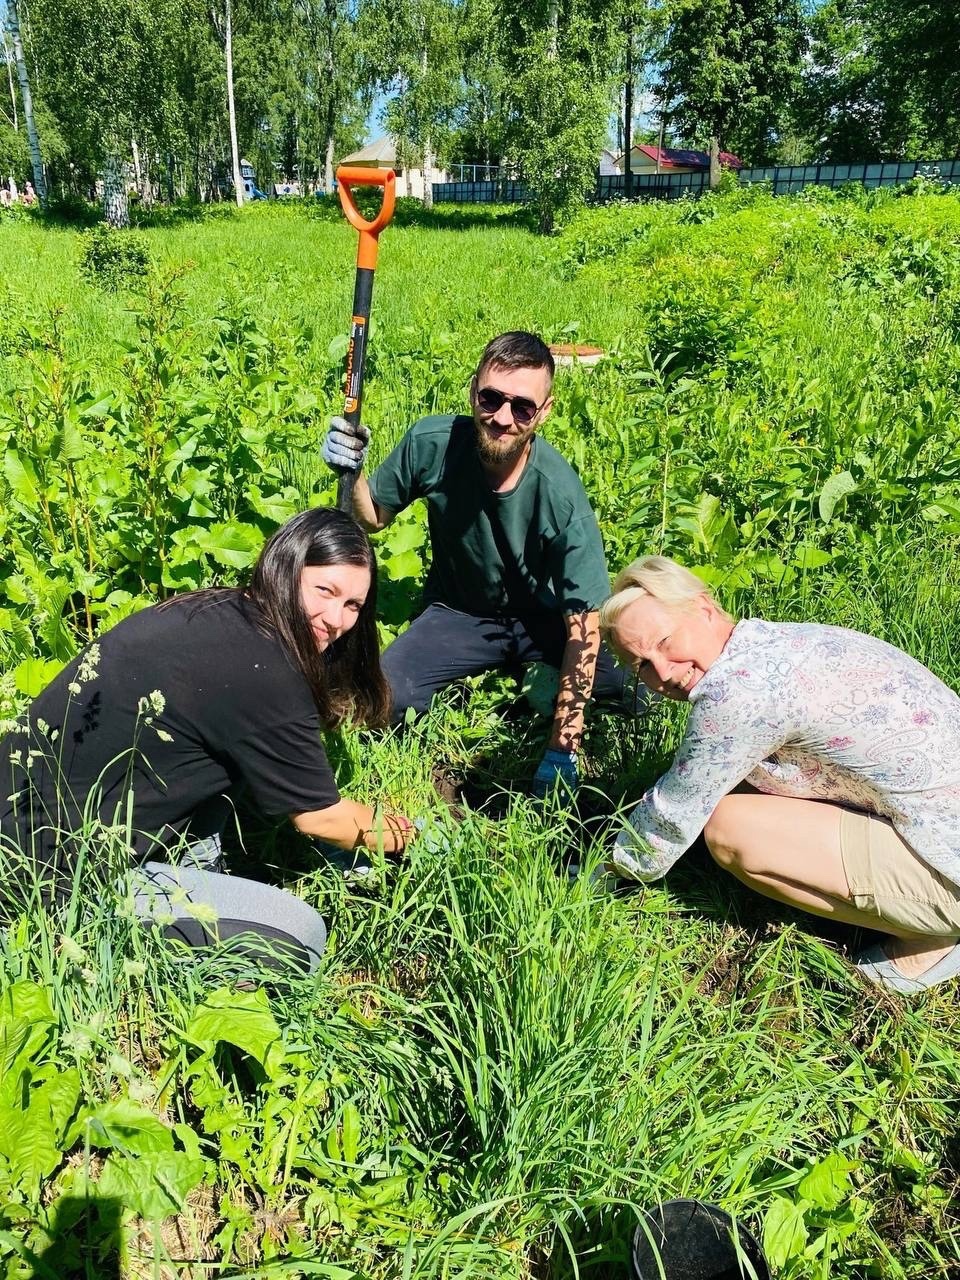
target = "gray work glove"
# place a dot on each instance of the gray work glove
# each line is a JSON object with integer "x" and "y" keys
{"x": 344, "y": 446}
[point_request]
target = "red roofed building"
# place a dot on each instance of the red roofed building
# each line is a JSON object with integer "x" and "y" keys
{"x": 644, "y": 159}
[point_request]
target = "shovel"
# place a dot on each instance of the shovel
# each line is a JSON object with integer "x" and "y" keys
{"x": 349, "y": 177}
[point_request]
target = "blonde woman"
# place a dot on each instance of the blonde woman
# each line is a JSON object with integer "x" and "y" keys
{"x": 851, "y": 750}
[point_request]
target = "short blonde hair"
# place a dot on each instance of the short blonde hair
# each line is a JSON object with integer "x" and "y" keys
{"x": 660, "y": 578}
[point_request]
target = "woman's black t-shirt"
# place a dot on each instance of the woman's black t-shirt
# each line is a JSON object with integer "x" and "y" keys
{"x": 183, "y": 704}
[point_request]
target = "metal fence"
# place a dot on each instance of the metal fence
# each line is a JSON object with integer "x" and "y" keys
{"x": 651, "y": 186}
{"x": 507, "y": 192}
{"x": 672, "y": 186}
{"x": 894, "y": 173}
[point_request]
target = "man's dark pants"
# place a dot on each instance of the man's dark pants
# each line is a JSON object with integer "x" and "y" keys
{"x": 443, "y": 645}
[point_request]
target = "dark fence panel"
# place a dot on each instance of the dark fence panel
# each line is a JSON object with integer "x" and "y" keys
{"x": 892, "y": 173}
{"x": 651, "y": 186}
{"x": 480, "y": 193}
{"x": 672, "y": 186}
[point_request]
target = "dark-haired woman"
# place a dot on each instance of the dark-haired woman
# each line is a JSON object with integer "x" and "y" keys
{"x": 149, "y": 733}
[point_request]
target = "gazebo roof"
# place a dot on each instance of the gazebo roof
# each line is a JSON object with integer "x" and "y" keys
{"x": 382, "y": 153}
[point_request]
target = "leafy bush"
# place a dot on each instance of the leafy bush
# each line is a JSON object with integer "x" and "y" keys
{"x": 113, "y": 259}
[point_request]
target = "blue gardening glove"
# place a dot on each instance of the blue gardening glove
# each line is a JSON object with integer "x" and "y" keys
{"x": 344, "y": 446}
{"x": 556, "y": 771}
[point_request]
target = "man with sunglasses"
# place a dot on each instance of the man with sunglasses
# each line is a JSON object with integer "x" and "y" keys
{"x": 518, "y": 570}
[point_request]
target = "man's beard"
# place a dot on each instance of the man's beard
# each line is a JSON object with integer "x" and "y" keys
{"x": 507, "y": 449}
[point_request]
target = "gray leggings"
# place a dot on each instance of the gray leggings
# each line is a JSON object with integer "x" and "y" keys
{"x": 271, "y": 921}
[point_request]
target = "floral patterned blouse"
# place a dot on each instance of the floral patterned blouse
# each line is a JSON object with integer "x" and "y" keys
{"x": 816, "y": 712}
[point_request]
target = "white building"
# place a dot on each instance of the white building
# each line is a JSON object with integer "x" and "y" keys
{"x": 382, "y": 154}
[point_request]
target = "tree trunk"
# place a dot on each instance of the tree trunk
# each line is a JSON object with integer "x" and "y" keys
{"x": 628, "y": 120}
{"x": 427, "y": 173}
{"x": 714, "y": 162}
{"x": 553, "y": 24}
{"x": 141, "y": 173}
{"x": 427, "y": 143}
{"x": 33, "y": 138}
{"x": 328, "y": 164}
{"x": 231, "y": 106}
{"x": 116, "y": 208}
{"x": 8, "y": 59}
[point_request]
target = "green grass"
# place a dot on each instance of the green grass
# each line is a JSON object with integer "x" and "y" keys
{"x": 494, "y": 1066}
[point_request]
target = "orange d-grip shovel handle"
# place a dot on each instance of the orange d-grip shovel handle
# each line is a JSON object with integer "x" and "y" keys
{"x": 349, "y": 177}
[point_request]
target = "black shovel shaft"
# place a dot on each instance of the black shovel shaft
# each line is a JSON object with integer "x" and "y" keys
{"x": 353, "y": 380}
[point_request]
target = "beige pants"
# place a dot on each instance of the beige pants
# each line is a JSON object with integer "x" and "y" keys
{"x": 888, "y": 880}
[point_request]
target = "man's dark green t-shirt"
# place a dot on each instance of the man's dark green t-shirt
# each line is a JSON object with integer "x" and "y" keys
{"x": 537, "y": 547}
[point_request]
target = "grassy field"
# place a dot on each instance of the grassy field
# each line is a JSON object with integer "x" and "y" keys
{"x": 494, "y": 1066}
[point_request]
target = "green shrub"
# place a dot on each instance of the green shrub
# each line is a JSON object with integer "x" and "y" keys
{"x": 113, "y": 259}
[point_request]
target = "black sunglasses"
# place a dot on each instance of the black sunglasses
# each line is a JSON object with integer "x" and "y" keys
{"x": 490, "y": 400}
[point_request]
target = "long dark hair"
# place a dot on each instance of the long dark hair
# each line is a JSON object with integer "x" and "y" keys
{"x": 346, "y": 680}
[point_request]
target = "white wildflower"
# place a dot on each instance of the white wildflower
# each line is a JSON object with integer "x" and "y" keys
{"x": 157, "y": 702}
{"x": 87, "y": 670}
{"x": 73, "y": 687}
{"x": 164, "y": 736}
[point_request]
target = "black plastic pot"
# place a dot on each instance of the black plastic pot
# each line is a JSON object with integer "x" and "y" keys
{"x": 691, "y": 1240}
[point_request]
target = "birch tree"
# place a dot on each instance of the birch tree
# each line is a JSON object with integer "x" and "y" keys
{"x": 413, "y": 50}
{"x": 223, "y": 22}
{"x": 561, "y": 85}
{"x": 26, "y": 98}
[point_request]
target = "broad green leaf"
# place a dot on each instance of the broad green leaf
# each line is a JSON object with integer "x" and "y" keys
{"x": 26, "y": 1019}
{"x": 230, "y": 543}
{"x": 808, "y": 557}
{"x": 59, "y": 1097}
{"x": 833, "y": 492}
{"x": 16, "y": 590}
{"x": 240, "y": 1018}
{"x": 97, "y": 409}
{"x": 54, "y": 631}
{"x": 406, "y": 565}
{"x": 182, "y": 575}
{"x": 153, "y": 1185}
{"x": 784, "y": 1231}
{"x": 33, "y": 675}
{"x": 22, "y": 478}
{"x": 828, "y": 1183}
{"x": 404, "y": 537}
{"x": 273, "y": 506}
{"x": 24, "y": 1008}
{"x": 68, "y": 443}
{"x": 125, "y": 1125}
{"x": 30, "y": 1144}
{"x": 699, "y": 525}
